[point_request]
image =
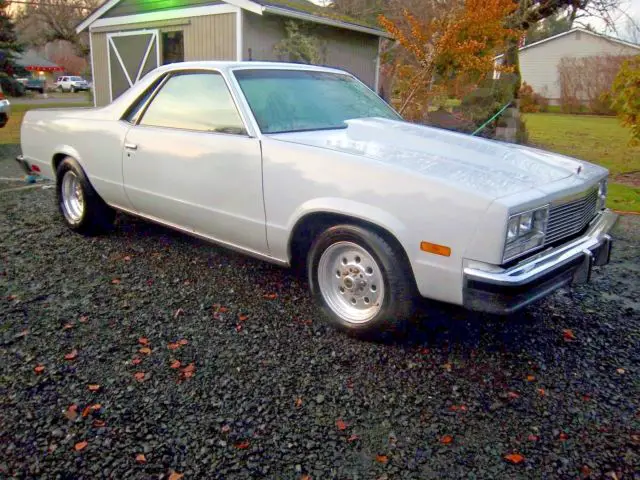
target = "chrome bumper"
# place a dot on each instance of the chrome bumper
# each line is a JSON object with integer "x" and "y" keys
{"x": 504, "y": 291}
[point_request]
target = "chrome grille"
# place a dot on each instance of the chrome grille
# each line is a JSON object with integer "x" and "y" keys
{"x": 570, "y": 217}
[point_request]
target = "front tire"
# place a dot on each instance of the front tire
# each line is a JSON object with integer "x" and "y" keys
{"x": 360, "y": 280}
{"x": 81, "y": 207}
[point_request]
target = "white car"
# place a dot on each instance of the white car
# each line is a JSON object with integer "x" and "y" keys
{"x": 71, "y": 84}
{"x": 298, "y": 164}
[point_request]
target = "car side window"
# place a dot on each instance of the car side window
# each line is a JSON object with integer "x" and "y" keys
{"x": 197, "y": 101}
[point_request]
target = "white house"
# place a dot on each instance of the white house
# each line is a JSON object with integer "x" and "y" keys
{"x": 539, "y": 61}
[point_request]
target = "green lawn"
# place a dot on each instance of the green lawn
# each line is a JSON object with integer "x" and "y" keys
{"x": 600, "y": 140}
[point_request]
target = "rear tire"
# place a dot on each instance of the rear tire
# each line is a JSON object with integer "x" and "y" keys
{"x": 360, "y": 280}
{"x": 81, "y": 207}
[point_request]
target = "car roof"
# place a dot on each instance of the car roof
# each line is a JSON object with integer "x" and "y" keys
{"x": 228, "y": 66}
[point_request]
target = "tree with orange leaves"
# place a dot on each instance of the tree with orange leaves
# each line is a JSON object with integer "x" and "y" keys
{"x": 455, "y": 41}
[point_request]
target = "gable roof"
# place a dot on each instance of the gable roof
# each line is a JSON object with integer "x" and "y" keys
{"x": 573, "y": 30}
{"x": 299, "y": 9}
{"x": 32, "y": 61}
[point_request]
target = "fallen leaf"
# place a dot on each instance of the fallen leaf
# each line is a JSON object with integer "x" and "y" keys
{"x": 238, "y": 327}
{"x": 173, "y": 346}
{"x": 446, "y": 439}
{"x": 83, "y": 319}
{"x": 242, "y": 317}
{"x": 298, "y": 402}
{"x": 542, "y": 392}
{"x": 80, "y": 446}
{"x": 271, "y": 296}
{"x": 143, "y": 341}
{"x": 382, "y": 459}
{"x": 12, "y": 297}
{"x": 175, "y": 475}
{"x": 341, "y": 424}
{"x": 176, "y": 364}
{"x": 514, "y": 458}
{"x": 620, "y": 371}
{"x": 67, "y": 326}
{"x": 353, "y": 438}
{"x": 530, "y": 378}
{"x": 183, "y": 342}
{"x": 563, "y": 436}
{"x": 513, "y": 395}
{"x": 225, "y": 429}
{"x": 98, "y": 423}
{"x": 93, "y": 387}
{"x": 306, "y": 477}
{"x": 188, "y": 371}
{"x": 72, "y": 355}
{"x": 533, "y": 438}
{"x": 568, "y": 335}
{"x": 585, "y": 471}
{"x": 71, "y": 412}
{"x": 178, "y": 313}
{"x": 136, "y": 360}
{"x": 223, "y": 309}
{"x": 447, "y": 367}
{"x": 127, "y": 258}
{"x": 38, "y": 369}
{"x": 458, "y": 408}
{"x": 145, "y": 350}
{"x": 242, "y": 445}
{"x": 115, "y": 281}
{"x": 86, "y": 411}
{"x": 139, "y": 376}
{"x": 140, "y": 458}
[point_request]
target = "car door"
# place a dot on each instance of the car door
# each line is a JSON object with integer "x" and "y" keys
{"x": 188, "y": 161}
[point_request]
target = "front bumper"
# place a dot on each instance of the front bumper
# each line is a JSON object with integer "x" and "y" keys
{"x": 503, "y": 291}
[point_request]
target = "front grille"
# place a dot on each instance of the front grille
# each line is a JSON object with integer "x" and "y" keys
{"x": 570, "y": 217}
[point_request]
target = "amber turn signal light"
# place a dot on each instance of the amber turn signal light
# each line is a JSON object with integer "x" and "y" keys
{"x": 435, "y": 249}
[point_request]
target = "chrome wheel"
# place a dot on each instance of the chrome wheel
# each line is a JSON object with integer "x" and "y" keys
{"x": 72, "y": 197}
{"x": 351, "y": 282}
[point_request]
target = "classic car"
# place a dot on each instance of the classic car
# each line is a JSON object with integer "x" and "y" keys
{"x": 304, "y": 165}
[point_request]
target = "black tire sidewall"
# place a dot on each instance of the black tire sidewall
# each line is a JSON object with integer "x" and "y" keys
{"x": 394, "y": 308}
{"x": 96, "y": 215}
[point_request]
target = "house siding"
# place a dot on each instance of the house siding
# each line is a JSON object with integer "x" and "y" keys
{"x": 539, "y": 64}
{"x": 133, "y": 7}
{"x": 352, "y": 51}
{"x": 210, "y": 37}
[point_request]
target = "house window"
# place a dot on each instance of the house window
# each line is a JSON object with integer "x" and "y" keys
{"x": 172, "y": 47}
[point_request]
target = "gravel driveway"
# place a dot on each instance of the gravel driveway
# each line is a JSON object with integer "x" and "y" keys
{"x": 146, "y": 353}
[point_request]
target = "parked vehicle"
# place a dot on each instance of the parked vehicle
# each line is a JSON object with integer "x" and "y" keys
{"x": 71, "y": 84}
{"x": 35, "y": 85}
{"x": 5, "y": 109}
{"x": 302, "y": 164}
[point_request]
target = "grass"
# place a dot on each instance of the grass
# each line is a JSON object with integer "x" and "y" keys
{"x": 600, "y": 140}
{"x": 10, "y": 134}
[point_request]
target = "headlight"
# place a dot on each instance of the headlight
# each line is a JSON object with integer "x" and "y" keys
{"x": 525, "y": 232}
{"x": 602, "y": 194}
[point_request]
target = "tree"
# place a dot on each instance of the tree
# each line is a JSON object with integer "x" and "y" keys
{"x": 453, "y": 41}
{"x": 549, "y": 27}
{"x": 626, "y": 96}
{"x": 44, "y": 21}
{"x": 9, "y": 45}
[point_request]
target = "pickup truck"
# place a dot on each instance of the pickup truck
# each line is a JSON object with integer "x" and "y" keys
{"x": 35, "y": 85}
{"x": 305, "y": 165}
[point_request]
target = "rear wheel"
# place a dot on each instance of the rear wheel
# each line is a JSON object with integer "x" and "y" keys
{"x": 80, "y": 205}
{"x": 360, "y": 280}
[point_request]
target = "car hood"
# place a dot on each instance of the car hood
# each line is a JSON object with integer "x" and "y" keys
{"x": 487, "y": 166}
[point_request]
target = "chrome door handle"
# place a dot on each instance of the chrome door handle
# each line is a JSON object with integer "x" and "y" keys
{"x": 130, "y": 146}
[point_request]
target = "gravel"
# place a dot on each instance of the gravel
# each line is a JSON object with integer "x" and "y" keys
{"x": 265, "y": 389}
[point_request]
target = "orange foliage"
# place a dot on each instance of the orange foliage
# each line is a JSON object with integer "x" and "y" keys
{"x": 445, "y": 49}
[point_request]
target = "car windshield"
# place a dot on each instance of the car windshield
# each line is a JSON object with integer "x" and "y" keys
{"x": 76, "y": 79}
{"x": 302, "y": 100}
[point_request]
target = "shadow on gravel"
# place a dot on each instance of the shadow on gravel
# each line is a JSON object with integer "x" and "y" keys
{"x": 435, "y": 325}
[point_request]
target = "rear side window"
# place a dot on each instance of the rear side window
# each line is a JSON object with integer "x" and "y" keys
{"x": 195, "y": 101}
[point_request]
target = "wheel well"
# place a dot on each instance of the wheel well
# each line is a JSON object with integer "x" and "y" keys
{"x": 57, "y": 159}
{"x": 309, "y": 226}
